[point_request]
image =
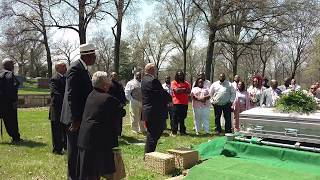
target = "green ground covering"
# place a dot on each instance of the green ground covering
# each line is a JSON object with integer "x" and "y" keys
{"x": 239, "y": 160}
{"x": 32, "y": 159}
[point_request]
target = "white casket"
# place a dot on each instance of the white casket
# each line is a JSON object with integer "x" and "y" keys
{"x": 269, "y": 123}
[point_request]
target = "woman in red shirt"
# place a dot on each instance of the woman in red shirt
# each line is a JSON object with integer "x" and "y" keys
{"x": 180, "y": 98}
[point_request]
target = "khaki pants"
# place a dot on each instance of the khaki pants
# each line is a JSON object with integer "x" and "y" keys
{"x": 135, "y": 110}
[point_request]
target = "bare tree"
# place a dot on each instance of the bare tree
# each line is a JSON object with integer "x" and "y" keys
{"x": 180, "y": 19}
{"x": 32, "y": 13}
{"x": 64, "y": 50}
{"x": 84, "y": 10}
{"x": 304, "y": 20}
{"x": 156, "y": 44}
{"x": 117, "y": 11}
{"x": 105, "y": 51}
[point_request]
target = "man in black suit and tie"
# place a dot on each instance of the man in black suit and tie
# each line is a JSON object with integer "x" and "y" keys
{"x": 57, "y": 86}
{"x": 78, "y": 87}
{"x": 155, "y": 102}
{"x": 116, "y": 90}
{"x": 9, "y": 99}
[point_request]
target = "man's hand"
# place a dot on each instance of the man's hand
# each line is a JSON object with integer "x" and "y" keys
{"x": 170, "y": 104}
{"x": 75, "y": 126}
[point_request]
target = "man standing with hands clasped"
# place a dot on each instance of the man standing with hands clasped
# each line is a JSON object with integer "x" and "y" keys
{"x": 222, "y": 96}
{"x": 78, "y": 87}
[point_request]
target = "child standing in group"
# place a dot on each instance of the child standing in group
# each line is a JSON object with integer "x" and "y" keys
{"x": 240, "y": 104}
{"x": 201, "y": 106}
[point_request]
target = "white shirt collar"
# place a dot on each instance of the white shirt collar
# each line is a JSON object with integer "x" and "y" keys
{"x": 84, "y": 64}
{"x": 60, "y": 74}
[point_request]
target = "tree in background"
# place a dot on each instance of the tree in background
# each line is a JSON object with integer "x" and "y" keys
{"x": 32, "y": 14}
{"x": 180, "y": 18}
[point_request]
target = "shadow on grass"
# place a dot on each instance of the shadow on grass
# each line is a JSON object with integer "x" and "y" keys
{"x": 25, "y": 143}
{"x": 126, "y": 140}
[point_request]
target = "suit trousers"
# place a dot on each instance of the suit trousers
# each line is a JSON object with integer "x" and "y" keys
{"x": 58, "y": 133}
{"x": 10, "y": 119}
{"x": 226, "y": 109}
{"x": 179, "y": 115}
{"x": 202, "y": 119}
{"x": 72, "y": 147}
{"x": 135, "y": 110}
{"x": 154, "y": 132}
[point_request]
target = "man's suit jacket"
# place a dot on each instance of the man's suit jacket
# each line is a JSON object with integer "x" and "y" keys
{"x": 78, "y": 87}
{"x": 98, "y": 130}
{"x": 116, "y": 90}
{"x": 57, "y": 87}
{"x": 154, "y": 101}
{"x": 8, "y": 91}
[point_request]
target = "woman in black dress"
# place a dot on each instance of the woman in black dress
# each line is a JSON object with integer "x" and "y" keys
{"x": 98, "y": 131}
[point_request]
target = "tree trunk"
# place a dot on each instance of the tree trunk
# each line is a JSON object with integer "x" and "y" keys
{"x": 210, "y": 51}
{"x": 264, "y": 66}
{"x": 82, "y": 25}
{"x": 185, "y": 60}
{"x": 117, "y": 44}
{"x": 45, "y": 42}
{"x": 235, "y": 60}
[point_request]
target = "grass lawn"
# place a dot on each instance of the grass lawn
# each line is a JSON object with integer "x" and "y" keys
{"x": 32, "y": 159}
{"x": 32, "y": 90}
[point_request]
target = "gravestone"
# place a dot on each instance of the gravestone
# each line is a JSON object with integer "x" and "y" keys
{"x": 21, "y": 80}
{"x": 43, "y": 83}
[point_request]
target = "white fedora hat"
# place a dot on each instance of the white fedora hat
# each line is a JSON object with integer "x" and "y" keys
{"x": 87, "y": 49}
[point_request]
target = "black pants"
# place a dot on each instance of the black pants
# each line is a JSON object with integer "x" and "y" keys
{"x": 72, "y": 146}
{"x": 154, "y": 132}
{"x": 226, "y": 109}
{"x": 10, "y": 119}
{"x": 179, "y": 115}
{"x": 170, "y": 112}
{"x": 59, "y": 138}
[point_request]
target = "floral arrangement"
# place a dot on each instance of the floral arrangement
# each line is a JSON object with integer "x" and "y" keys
{"x": 296, "y": 101}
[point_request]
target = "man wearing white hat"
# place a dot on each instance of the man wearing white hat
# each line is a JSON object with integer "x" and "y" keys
{"x": 78, "y": 87}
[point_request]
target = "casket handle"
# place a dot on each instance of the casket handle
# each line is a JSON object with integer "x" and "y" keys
{"x": 291, "y": 131}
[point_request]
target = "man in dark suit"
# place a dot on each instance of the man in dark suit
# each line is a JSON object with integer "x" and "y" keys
{"x": 78, "y": 87}
{"x": 57, "y": 86}
{"x": 9, "y": 99}
{"x": 98, "y": 131}
{"x": 116, "y": 90}
{"x": 155, "y": 102}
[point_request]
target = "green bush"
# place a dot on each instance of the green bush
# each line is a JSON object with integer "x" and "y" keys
{"x": 296, "y": 101}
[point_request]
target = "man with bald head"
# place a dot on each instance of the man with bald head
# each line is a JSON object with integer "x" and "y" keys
{"x": 57, "y": 87}
{"x": 9, "y": 99}
{"x": 155, "y": 102}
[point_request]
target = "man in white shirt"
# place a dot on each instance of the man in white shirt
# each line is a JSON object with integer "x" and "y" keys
{"x": 133, "y": 94}
{"x": 271, "y": 95}
{"x": 294, "y": 86}
{"x": 167, "y": 87}
{"x": 222, "y": 96}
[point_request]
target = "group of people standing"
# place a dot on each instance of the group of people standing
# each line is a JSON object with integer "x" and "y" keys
{"x": 86, "y": 114}
{"x": 86, "y": 111}
{"x": 228, "y": 99}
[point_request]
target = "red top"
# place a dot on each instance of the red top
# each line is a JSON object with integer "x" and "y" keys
{"x": 180, "y": 98}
